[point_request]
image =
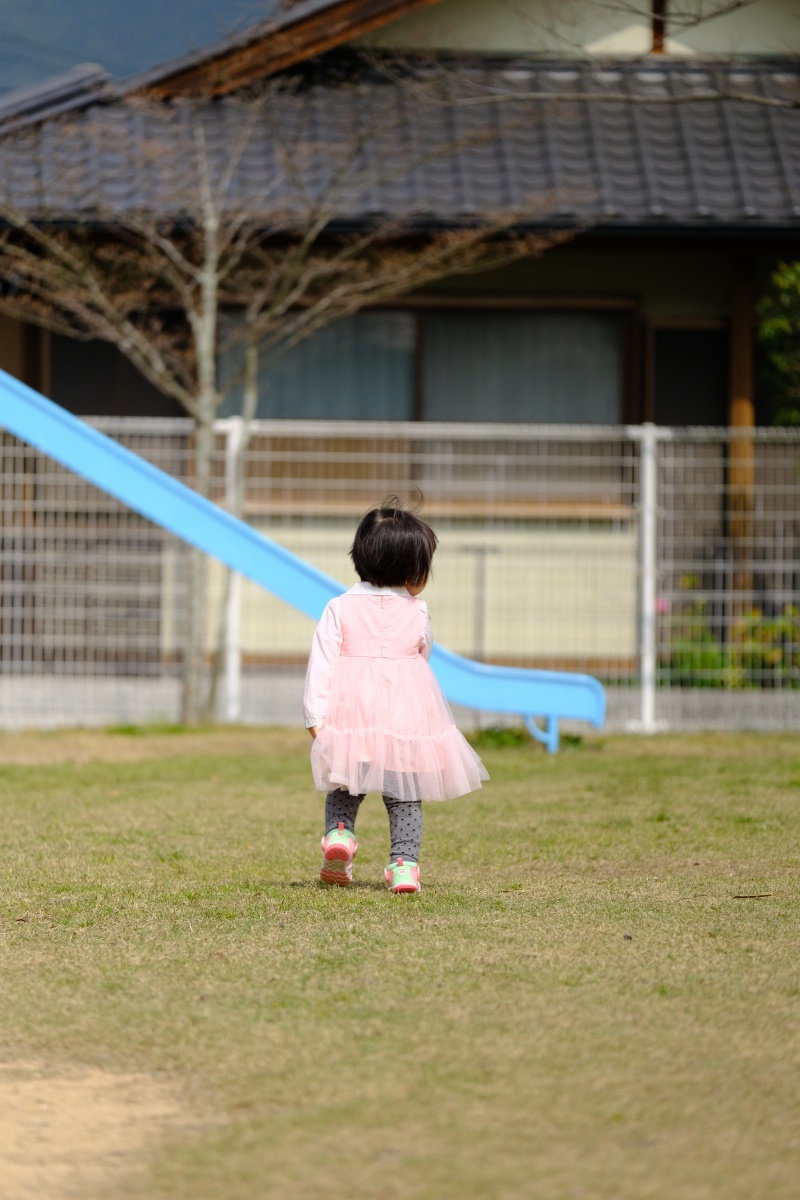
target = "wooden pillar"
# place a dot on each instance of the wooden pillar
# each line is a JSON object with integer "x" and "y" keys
{"x": 12, "y": 347}
{"x": 659, "y": 26}
{"x": 741, "y": 416}
{"x": 36, "y": 358}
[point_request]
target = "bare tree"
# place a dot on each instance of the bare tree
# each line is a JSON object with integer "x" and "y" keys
{"x": 149, "y": 222}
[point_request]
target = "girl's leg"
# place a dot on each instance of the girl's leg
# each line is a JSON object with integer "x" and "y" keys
{"x": 405, "y": 828}
{"x": 341, "y": 807}
{"x": 339, "y": 844}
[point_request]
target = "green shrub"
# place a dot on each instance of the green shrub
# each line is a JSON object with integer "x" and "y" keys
{"x": 779, "y": 335}
{"x": 763, "y": 652}
{"x": 495, "y": 738}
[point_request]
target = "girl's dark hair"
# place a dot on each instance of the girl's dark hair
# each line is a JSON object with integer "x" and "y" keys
{"x": 393, "y": 546}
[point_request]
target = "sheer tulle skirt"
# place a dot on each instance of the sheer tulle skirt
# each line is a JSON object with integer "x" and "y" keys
{"x": 390, "y": 730}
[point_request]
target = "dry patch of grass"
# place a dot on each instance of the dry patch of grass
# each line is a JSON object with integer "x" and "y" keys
{"x": 67, "y": 1132}
{"x": 586, "y": 1000}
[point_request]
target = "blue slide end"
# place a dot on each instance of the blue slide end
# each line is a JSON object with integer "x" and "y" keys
{"x": 174, "y": 506}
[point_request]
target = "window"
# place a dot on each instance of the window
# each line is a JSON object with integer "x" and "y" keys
{"x": 360, "y": 368}
{"x": 454, "y": 365}
{"x": 561, "y": 368}
{"x": 94, "y": 379}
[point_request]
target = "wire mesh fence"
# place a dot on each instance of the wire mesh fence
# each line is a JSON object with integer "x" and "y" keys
{"x": 680, "y": 594}
{"x": 728, "y": 604}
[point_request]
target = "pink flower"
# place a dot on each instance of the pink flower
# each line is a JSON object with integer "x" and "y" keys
{"x": 663, "y": 605}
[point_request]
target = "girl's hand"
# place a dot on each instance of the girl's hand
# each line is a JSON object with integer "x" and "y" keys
{"x": 313, "y": 731}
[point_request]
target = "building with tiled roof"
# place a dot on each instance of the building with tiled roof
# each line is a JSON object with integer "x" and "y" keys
{"x": 675, "y": 150}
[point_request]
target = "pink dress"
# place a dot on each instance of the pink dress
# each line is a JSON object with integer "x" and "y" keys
{"x": 384, "y": 725}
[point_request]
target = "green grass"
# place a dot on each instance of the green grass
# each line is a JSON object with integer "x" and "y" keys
{"x": 580, "y": 1003}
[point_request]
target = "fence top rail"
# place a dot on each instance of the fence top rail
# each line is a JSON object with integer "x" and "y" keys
{"x": 783, "y": 434}
{"x": 155, "y": 427}
{"x": 427, "y": 431}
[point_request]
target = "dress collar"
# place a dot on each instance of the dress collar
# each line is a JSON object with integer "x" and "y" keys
{"x": 369, "y": 589}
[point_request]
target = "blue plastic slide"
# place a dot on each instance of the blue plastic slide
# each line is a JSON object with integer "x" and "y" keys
{"x": 170, "y": 504}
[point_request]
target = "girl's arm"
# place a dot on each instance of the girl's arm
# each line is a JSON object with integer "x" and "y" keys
{"x": 325, "y": 649}
{"x": 426, "y": 642}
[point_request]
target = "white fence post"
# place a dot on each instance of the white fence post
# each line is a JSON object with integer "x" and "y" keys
{"x": 647, "y": 436}
{"x": 234, "y": 432}
{"x": 647, "y": 586}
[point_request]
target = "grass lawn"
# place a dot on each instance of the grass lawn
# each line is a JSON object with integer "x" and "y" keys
{"x": 586, "y": 1000}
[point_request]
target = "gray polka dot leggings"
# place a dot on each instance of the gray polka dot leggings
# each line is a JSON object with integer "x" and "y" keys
{"x": 405, "y": 821}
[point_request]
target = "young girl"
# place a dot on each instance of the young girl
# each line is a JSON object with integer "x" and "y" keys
{"x": 373, "y": 707}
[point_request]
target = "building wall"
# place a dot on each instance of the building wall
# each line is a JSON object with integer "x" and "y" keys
{"x": 491, "y": 596}
{"x": 673, "y": 282}
{"x": 677, "y": 281}
{"x": 594, "y": 29}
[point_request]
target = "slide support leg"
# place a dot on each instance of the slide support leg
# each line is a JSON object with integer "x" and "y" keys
{"x": 547, "y": 736}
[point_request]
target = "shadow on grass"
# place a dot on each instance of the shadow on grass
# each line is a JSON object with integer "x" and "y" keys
{"x": 316, "y": 885}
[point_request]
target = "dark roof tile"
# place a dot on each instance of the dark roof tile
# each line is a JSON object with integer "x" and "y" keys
{"x": 661, "y": 156}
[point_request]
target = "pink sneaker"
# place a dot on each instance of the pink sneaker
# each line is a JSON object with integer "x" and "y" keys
{"x": 402, "y": 876}
{"x": 339, "y": 848}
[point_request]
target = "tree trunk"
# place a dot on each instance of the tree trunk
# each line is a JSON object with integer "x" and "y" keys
{"x": 194, "y": 704}
{"x": 236, "y": 507}
{"x": 193, "y": 707}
